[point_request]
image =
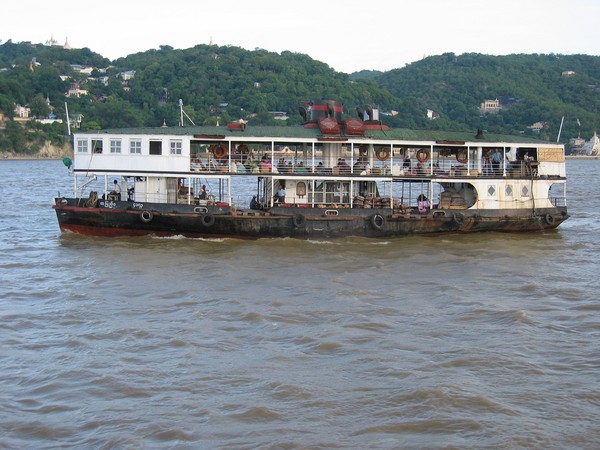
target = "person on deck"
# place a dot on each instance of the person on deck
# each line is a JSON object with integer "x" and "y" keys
{"x": 202, "y": 195}
{"x": 280, "y": 195}
{"x": 496, "y": 160}
{"x": 116, "y": 189}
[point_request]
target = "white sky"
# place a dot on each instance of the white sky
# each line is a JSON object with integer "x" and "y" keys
{"x": 348, "y": 35}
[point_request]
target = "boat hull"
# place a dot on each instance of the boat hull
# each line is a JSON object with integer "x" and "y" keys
{"x": 128, "y": 219}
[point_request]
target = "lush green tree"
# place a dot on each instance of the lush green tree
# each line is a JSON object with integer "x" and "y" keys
{"x": 39, "y": 107}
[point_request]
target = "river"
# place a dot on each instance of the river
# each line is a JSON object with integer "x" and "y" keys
{"x": 456, "y": 341}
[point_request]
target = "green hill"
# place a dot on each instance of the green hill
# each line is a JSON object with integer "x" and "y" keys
{"x": 228, "y": 83}
{"x": 531, "y": 88}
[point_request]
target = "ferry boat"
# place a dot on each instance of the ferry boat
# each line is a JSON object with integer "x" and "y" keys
{"x": 332, "y": 177}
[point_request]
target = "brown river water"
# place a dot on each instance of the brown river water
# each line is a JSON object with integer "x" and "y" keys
{"x": 454, "y": 342}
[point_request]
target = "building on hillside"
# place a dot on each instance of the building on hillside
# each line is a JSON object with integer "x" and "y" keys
{"x": 568, "y": 73}
{"x": 279, "y": 115}
{"x": 537, "y": 127}
{"x": 22, "y": 113}
{"x": 489, "y": 106}
{"x": 54, "y": 43}
{"x": 432, "y": 115}
{"x": 85, "y": 70}
{"x": 127, "y": 75}
{"x": 76, "y": 91}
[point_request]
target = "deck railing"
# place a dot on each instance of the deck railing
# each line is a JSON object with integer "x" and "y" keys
{"x": 442, "y": 167}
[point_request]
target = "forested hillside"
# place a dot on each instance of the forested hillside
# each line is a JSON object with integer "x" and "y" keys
{"x": 531, "y": 88}
{"x": 229, "y": 83}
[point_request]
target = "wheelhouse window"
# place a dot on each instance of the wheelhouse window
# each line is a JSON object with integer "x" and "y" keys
{"x": 135, "y": 147}
{"x": 115, "y": 145}
{"x": 82, "y": 146}
{"x": 156, "y": 147}
{"x": 175, "y": 147}
{"x": 97, "y": 145}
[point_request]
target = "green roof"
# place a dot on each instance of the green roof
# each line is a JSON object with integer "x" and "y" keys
{"x": 313, "y": 133}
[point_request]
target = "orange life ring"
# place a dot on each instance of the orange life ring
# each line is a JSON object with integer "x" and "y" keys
{"x": 382, "y": 153}
{"x": 423, "y": 155}
{"x": 462, "y": 156}
{"x": 219, "y": 151}
{"x": 242, "y": 148}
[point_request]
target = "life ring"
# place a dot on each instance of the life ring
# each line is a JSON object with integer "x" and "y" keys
{"x": 423, "y": 155}
{"x": 377, "y": 221}
{"x": 208, "y": 220}
{"x": 146, "y": 216}
{"x": 243, "y": 148}
{"x": 298, "y": 220}
{"x": 462, "y": 156}
{"x": 382, "y": 154}
{"x": 458, "y": 218}
{"x": 219, "y": 151}
{"x": 549, "y": 219}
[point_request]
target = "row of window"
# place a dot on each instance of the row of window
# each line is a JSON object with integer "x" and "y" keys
{"x": 135, "y": 146}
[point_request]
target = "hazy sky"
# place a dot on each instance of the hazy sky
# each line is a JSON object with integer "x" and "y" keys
{"x": 348, "y": 35}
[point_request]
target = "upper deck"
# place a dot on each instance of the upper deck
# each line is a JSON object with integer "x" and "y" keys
{"x": 298, "y": 150}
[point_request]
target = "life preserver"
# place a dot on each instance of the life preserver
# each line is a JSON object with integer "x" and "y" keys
{"x": 242, "y": 148}
{"x": 549, "y": 219}
{"x": 377, "y": 221}
{"x": 382, "y": 153}
{"x": 208, "y": 220}
{"x": 298, "y": 220}
{"x": 462, "y": 156}
{"x": 423, "y": 155}
{"x": 146, "y": 216}
{"x": 219, "y": 151}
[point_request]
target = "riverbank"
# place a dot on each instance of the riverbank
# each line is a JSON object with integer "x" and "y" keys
{"x": 48, "y": 151}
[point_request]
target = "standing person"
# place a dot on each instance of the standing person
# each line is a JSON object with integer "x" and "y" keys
{"x": 202, "y": 195}
{"x": 487, "y": 164}
{"x": 496, "y": 160}
{"x": 280, "y": 196}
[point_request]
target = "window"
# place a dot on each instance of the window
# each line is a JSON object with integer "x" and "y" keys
{"x": 135, "y": 147}
{"x": 156, "y": 147}
{"x": 97, "y": 145}
{"x": 82, "y": 146}
{"x": 175, "y": 147}
{"x": 115, "y": 145}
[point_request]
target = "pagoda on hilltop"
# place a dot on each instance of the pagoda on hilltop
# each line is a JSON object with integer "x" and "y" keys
{"x": 54, "y": 43}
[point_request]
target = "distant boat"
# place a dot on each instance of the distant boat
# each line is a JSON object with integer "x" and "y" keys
{"x": 581, "y": 147}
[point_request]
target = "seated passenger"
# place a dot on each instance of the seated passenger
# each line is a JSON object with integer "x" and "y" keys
{"x": 240, "y": 167}
{"x": 254, "y": 204}
{"x": 202, "y": 195}
{"x": 422, "y": 203}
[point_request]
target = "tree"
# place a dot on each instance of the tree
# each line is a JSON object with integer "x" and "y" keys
{"x": 39, "y": 107}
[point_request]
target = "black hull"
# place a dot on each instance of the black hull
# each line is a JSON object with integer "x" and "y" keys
{"x": 122, "y": 219}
